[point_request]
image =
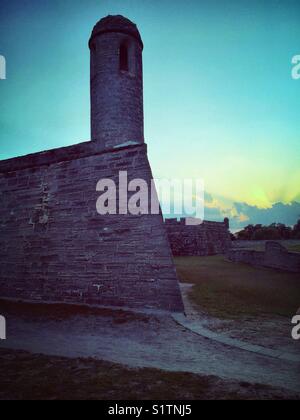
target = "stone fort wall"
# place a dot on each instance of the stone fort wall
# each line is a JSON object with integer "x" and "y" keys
{"x": 275, "y": 256}
{"x": 209, "y": 238}
{"x": 55, "y": 247}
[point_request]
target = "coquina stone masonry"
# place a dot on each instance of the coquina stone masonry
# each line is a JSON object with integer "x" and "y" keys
{"x": 208, "y": 238}
{"x": 55, "y": 247}
{"x": 275, "y": 256}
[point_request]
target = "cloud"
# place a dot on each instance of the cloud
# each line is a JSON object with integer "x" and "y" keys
{"x": 243, "y": 218}
{"x": 242, "y": 214}
{"x": 278, "y": 213}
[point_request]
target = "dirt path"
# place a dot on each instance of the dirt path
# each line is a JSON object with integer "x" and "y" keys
{"x": 269, "y": 331}
{"x": 145, "y": 342}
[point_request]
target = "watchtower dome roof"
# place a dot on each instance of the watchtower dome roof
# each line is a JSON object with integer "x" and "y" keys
{"x": 116, "y": 23}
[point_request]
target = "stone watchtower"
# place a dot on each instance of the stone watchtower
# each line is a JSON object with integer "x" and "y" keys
{"x": 116, "y": 83}
{"x": 55, "y": 246}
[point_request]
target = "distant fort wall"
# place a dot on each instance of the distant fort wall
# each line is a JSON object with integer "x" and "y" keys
{"x": 275, "y": 256}
{"x": 208, "y": 238}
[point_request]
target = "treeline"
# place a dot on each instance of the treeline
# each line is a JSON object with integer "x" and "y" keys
{"x": 275, "y": 231}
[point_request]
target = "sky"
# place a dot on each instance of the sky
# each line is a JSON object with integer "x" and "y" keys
{"x": 220, "y": 102}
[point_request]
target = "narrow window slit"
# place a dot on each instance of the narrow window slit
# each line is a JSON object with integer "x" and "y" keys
{"x": 124, "y": 62}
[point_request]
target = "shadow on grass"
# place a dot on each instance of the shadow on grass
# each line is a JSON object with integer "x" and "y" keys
{"x": 60, "y": 312}
{"x": 25, "y": 376}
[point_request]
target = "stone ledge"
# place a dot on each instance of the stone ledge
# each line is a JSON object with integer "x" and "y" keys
{"x": 62, "y": 154}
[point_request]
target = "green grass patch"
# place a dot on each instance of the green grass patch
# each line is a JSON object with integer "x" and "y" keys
{"x": 228, "y": 291}
{"x": 294, "y": 248}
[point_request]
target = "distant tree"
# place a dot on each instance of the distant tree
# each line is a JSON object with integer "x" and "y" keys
{"x": 232, "y": 237}
{"x": 285, "y": 231}
{"x": 247, "y": 233}
{"x": 275, "y": 231}
{"x": 296, "y": 230}
{"x": 266, "y": 233}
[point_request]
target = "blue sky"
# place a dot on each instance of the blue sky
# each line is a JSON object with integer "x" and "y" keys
{"x": 220, "y": 102}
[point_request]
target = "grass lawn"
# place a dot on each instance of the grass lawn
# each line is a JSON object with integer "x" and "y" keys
{"x": 228, "y": 291}
{"x": 25, "y": 376}
{"x": 294, "y": 248}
